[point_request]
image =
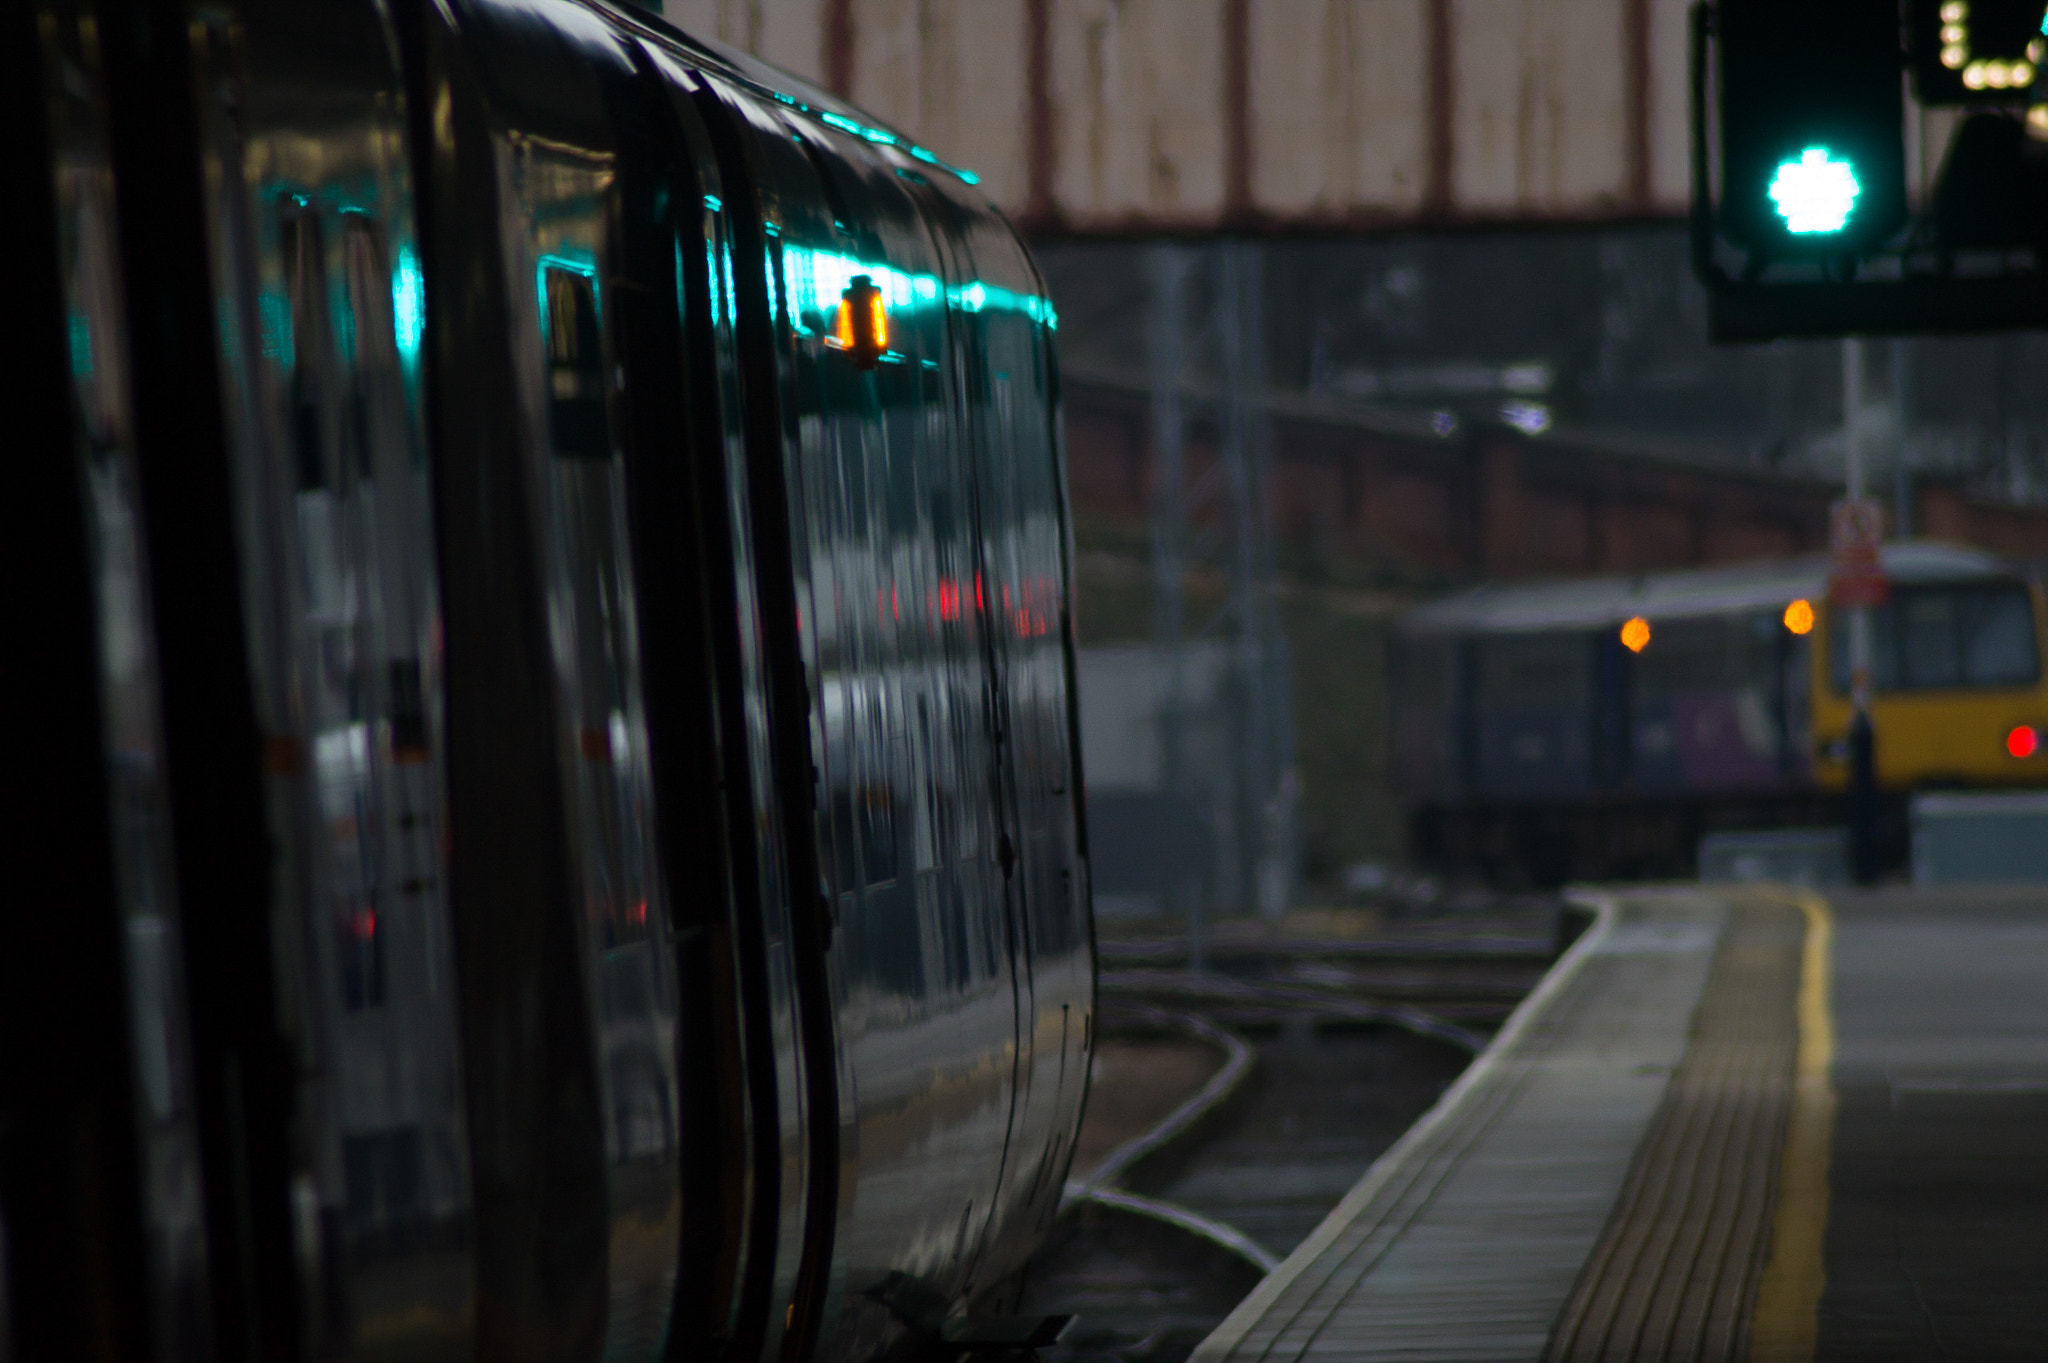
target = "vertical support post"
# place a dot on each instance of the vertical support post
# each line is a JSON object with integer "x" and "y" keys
{"x": 1247, "y": 598}
{"x": 1902, "y": 475}
{"x": 1167, "y": 266}
{"x": 1268, "y": 778}
{"x": 1862, "y": 736}
{"x": 1281, "y": 866}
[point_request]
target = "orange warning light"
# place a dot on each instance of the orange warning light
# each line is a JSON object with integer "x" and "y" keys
{"x": 1635, "y": 635}
{"x": 1799, "y": 617}
{"x": 861, "y": 327}
{"x": 878, "y": 321}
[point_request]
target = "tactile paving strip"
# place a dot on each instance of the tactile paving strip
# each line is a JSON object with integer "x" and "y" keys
{"x": 1675, "y": 1271}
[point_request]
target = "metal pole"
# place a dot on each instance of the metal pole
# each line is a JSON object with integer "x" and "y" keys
{"x": 1281, "y": 863}
{"x": 1247, "y": 598}
{"x": 1167, "y": 266}
{"x": 1862, "y": 736}
{"x": 1902, "y": 476}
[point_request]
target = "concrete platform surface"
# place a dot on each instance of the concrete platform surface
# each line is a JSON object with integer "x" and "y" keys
{"x": 1731, "y": 1123}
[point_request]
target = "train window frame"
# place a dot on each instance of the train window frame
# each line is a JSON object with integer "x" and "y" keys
{"x": 1891, "y": 670}
{"x": 572, "y": 332}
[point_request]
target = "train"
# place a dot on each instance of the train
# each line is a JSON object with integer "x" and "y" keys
{"x": 546, "y": 811}
{"x": 1597, "y": 728}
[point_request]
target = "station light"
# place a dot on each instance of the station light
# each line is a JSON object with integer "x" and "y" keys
{"x": 1974, "y": 51}
{"x": 2023, "y": 741}
{"x": 1815, "y": 193}
{"x": 1812, "y": 122}
{"x": 1635, "y": 635}
{"x": 1799, "y": 616}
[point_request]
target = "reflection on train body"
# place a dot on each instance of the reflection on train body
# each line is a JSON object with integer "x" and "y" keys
{"x": 103, "y": 443}
{"x": 342, "y": 609}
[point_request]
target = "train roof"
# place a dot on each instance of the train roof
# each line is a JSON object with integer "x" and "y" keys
{"x": 1602, "y": 602}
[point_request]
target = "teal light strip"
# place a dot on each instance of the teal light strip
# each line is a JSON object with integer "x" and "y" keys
{"x": 840, "y": 121}
{"x": 814, "y": 281}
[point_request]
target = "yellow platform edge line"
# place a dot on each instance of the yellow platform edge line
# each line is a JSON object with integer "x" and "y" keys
{"x": 1784, "y": 1327}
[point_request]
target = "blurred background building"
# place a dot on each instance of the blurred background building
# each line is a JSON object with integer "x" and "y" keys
{"x": 1361, "y": 300}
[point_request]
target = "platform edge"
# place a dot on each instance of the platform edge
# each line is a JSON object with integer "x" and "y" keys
{"x": 1227, "y": 1336}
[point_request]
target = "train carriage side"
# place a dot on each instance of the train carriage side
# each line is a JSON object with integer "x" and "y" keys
{"x": 928, "y": 525}
{"x": 619, "y": 721}
{"x": 1531, "y": 740}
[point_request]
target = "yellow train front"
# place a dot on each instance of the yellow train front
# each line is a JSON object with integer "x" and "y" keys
{"x": 1598, "y": 728}
{"x": 1958, "y": 697}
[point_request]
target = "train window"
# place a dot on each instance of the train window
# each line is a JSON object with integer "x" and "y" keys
{"x": 1533, "y": 671}
{"x": 1926, "y": 630}
{"x": 1931, "y": 638}
{"x": 1998, "y": 638}
{"x": 1688, "y": 657}
{"x": 575, "y": 365}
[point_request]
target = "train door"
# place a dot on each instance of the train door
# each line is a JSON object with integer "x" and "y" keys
{"x": 575, "y": 198}
{"x": 101, "y": 1236}
{"x": 742, "y": 1063}
{"x": 354, "y": 1132}
{"x": 1001, "y": 325}
{"x": 877, "y": 515}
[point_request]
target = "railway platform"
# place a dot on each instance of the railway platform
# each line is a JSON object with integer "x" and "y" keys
{"x": 1730, "y": 1123}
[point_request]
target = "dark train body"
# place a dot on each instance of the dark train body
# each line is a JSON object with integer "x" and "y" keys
{"x": 550, "y": 824}
{"x": 1531, "y": 744}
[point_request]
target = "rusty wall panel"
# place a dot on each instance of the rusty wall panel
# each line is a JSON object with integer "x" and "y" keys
{"x": 1335, "y": 90}
{"x": 1137, "y": 98}
{"x": 1123, "y": 115}
{"x": 1540, "y": 107}
{"x": 789, "y": 33}
{"x": 793, "y": 36}
{"x": 953, "y": 72}
{"x": 1669, "y": 133}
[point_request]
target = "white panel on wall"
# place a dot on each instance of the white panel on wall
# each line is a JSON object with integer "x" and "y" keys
{"x": 736, "y": 23}
{"x": 1339, "y": 92}
{"x": 1670, "y": 103}
{"x": 989, "y": 130}
{"x": 793, "y": 36}
{"x": 951, "y": 73}
{"x": 1137, "y": 108}
{"x": 1540, "y": 121}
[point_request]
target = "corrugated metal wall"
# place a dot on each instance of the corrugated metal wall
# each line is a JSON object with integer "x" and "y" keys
{"x": 1092, "y": 116}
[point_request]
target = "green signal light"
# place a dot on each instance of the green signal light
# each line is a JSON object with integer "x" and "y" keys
{"x": 1816, "y": 193}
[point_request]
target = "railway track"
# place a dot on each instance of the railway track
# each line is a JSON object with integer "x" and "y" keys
{"x": 1323, "y": 1048}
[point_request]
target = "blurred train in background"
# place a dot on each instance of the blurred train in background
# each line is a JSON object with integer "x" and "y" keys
{"x": 1598, "y": 728}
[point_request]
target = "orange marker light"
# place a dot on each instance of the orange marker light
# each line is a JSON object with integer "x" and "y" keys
{"x": 861, "y": 327}
{"x": 1635, "y": 635}
{"x": 2023, "y": 741}
{"x": 878, "y": 321}
{"x": 1799, "y": 617}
